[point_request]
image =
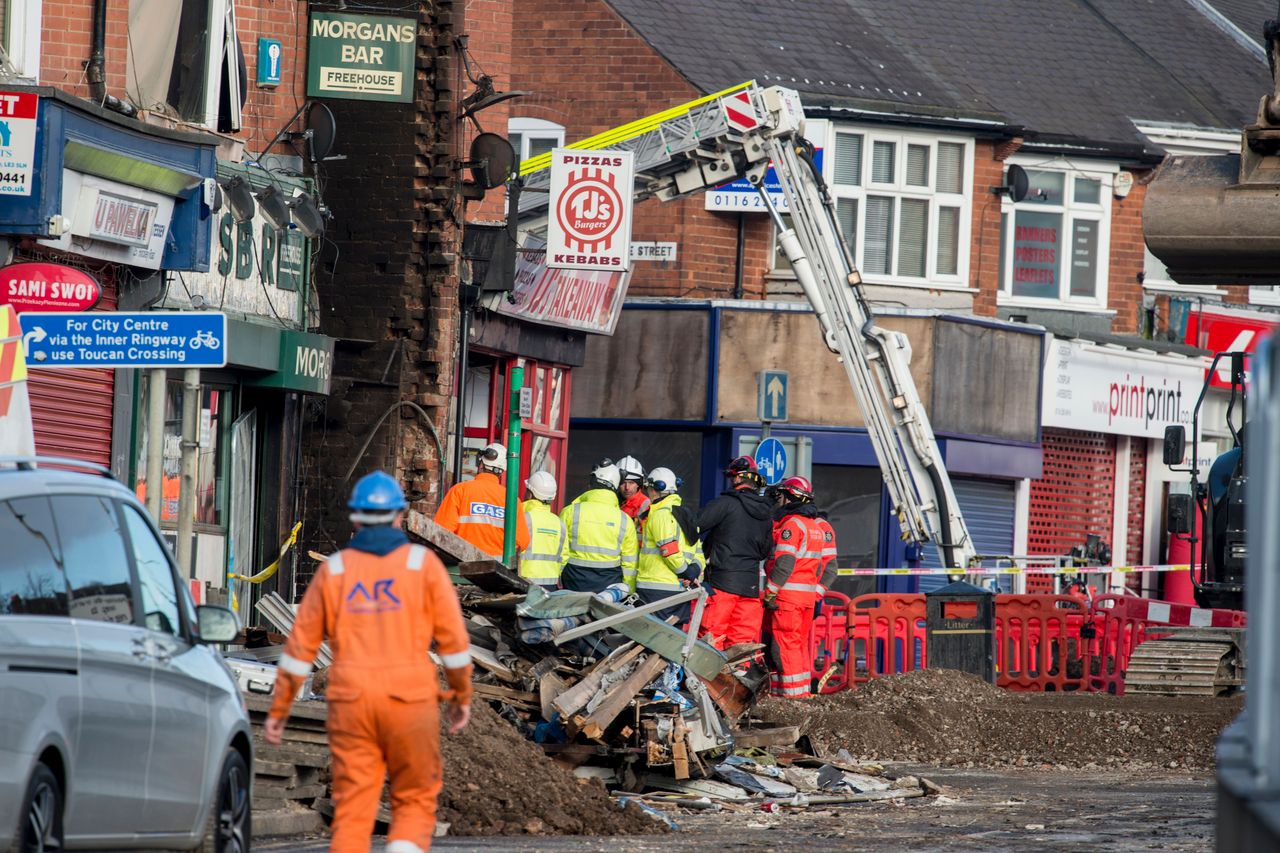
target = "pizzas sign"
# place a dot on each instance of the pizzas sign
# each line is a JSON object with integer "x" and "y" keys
{"x": 591, "y": 201}
{"x": 48, "y": 287}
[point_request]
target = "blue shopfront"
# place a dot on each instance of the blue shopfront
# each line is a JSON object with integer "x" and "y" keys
{"x": 677, "y": 386}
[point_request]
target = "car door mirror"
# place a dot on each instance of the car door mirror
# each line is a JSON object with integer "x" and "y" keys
{"x": 1179, "y": 520}
{"x": 217, "y": 624}
{"x": 1175, "y": 444}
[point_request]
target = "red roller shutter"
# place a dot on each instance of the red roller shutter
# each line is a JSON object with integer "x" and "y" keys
{"x": 72, "y": 408}
{"x": 1074, "y": 497}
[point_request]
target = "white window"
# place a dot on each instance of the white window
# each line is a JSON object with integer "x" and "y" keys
{"x": 185, "y": 60}
{"x": 533, "y": 136}
{"x": 903, "y": 203}
{"x": 1055, "y": 243}
{"x": 20, "y": 39}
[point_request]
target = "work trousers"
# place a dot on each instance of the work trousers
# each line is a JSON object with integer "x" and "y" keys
{"x": 732, "y": 619}
{"x": 374, "y": 736}
{"x": 790, "y": 657}
{"x": 648, "y": 596}
{"x": 584, "y": 577}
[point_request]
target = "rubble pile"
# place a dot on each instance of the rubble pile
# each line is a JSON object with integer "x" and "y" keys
{"x": 949, "y": 718}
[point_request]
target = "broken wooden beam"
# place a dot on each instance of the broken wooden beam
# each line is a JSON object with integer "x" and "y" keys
{"x": 620, "y": 697}
{"x": 450, "y": 547}
{"x": 765, "y": 737}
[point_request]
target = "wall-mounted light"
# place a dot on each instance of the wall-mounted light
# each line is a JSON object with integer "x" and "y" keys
{"x": 308, "y": 216}
{"x": 274, "y": 207}
{"x": 239, "y": 198}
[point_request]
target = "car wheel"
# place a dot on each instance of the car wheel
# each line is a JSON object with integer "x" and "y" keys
{"x": 41, "y": 826}
{"x": 228, "y": 827}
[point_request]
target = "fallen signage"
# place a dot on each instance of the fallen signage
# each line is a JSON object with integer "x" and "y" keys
{"x": 585, "y": 300}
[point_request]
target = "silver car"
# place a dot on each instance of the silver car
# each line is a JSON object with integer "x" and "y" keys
{"x": 119, "y": 726}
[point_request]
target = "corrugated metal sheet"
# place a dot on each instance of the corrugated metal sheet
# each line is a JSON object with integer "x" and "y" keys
{"x": 988, "y": 509}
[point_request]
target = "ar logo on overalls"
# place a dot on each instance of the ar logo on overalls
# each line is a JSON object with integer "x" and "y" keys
{"x": 382, "y": 600}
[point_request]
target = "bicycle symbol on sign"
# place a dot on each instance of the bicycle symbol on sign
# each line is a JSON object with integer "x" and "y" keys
{"x": 205, "y": 339}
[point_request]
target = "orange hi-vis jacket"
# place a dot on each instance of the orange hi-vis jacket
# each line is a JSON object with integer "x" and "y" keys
{"x": 380, "y": 615}
{"x": 800, "y": 553}
{"x": 476, "y": 511}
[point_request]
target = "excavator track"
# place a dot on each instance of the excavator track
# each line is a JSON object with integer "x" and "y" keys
{"x": 1188, "y": 662}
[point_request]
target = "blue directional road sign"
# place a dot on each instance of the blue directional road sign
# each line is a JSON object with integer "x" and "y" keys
{"x": 771, "y": 401}
{"x": 109, "y": 339}
{"x": 771, "y": 459}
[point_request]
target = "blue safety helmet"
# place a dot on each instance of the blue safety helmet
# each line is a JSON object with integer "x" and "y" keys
{"x": 377, "y": 493}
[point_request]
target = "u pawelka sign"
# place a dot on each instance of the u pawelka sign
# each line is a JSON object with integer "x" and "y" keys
{"x": 361, "y": 57}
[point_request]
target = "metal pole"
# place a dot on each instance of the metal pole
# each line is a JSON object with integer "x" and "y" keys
{"x": 513, "y": 466}
{"x": 190, "y": 462}
{"x": 460, "y": 424}
{"x": 156, "y": 396}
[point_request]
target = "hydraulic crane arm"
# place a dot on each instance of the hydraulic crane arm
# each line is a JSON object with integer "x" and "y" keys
{"x": 681, "y": 153}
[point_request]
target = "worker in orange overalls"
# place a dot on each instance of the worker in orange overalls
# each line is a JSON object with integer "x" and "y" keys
{"x": 381, "y": 603}
{"x": 476, "y": 509}
{"x": 803, "y": 542}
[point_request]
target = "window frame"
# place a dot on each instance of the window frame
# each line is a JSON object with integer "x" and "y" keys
{"x": 1071, "y": 212}
{"x": 186, "y": 616}
{"x": 899, "y": 189}
{"x": 534, "y": 128}
{"x": 214, "y": 64}
{"x": 22, "y": 42}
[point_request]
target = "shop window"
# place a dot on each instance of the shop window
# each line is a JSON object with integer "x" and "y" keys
{"x": 184, "y": 59}
{"x": 95, "y": 561}
{"x": 531, "y": 137}
{"x": 679, "y": 451}
{"x": 31, "y": 580}
{"x": 20, "y": 39}
{"x": 851, "y": 498}
{"x": 1055, "y": 245}
{"x": 902, "y": 205}
{"x": 214, "y": 422}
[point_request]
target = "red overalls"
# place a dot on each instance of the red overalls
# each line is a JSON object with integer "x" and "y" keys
{"x": 795, "y": 577}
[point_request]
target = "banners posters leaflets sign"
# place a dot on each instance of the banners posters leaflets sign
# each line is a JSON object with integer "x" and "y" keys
{"x": 113, "y": 221}
{"x": 589, "y": 217}
{"x": 118, "y": 339}
{"x": 17, "y": 434}
{"x": 741, "y": 197}
{"x": 361, "y": 57}
{"x": 17, "y": 141}
{"x": 1098, "y": 389}
{"x": 1220, "y": 331}
{"x": 38, "y": 286}
{"x": 586, "y": 300}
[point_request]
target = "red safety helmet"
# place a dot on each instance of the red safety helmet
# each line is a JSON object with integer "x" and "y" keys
{"x": 798, "y": 487}
{"x": 744, "y": 466}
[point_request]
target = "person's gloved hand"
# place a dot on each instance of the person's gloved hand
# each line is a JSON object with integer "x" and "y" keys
{"x": 771, "y": 602}
{"x": 817, "y": 608}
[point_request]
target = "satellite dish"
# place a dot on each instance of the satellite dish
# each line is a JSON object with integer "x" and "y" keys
{"x": 492, "y": 160}
{"x": 1016, "y": 183}
{"x": 324, "y": 130}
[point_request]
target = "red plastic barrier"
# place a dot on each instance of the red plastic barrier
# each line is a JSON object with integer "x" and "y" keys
{"x": 829, "y": 642}
{"x": 886, "y": 635}
{"x": 1039, "y": 646}
{"x": 1126, "y": 621}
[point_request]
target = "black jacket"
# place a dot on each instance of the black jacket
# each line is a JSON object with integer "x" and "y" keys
{"x": 737, "y": 535}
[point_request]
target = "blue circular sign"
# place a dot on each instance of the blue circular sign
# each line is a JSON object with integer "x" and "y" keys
{"x": 771, "y": 458}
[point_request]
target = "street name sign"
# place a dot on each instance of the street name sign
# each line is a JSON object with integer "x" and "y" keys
{"x": 110, "y": 339}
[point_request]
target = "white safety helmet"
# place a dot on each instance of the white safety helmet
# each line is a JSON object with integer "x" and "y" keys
{"x": 607, "y": 473}
{"x": 630, "y": 468}
{"x": 542, "y": 485}
{"x": 494, "y": 458}
{"x": 664, "y": 480}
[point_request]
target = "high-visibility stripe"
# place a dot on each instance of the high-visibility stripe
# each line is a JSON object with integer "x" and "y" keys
{"x": 335, "y": 563}
{"x": 481, "y": 519}
{"x": 293, "y": 666}
{"x": 626, "y": 572}
{"x": 803, "y": 690}
{"x": 796, "y": 678}
{"x": 539, "y": 558}
{"x": 402, "y": 846}
{"x": 800, "y": 587}
{"x": 417, "y": 556}
{"x": 652, "y": 552}
{"x": 551, "y": 582}
{"x": 659, "y": 586}
{"x": 784, "y": 548}
{"x": 457, "y": 660}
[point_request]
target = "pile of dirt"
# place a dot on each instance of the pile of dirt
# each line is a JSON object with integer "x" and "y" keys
{"x": 498, "y": 783}
{"x": 949, "y": 718}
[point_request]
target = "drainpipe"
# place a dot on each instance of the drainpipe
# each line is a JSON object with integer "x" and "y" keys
{"x": 738, "y": 271}
{"x": 95, "y": 71}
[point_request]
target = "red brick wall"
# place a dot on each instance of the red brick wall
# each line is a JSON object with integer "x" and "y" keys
{"x": 64, "y": 51}
{"x": 1124, "y": 290}
{"x": 490, "y": 39}
{"x": 984, "y": 253}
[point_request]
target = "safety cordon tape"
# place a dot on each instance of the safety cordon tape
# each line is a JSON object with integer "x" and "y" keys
{"x": 270, "y": 570}
{"x": 1017, "y": 570}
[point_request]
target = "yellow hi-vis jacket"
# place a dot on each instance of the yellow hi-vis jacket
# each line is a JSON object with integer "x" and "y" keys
{"x": 601, "y": 535}
{"x": 542, "y": 561}
{"x": 666, "y": 552}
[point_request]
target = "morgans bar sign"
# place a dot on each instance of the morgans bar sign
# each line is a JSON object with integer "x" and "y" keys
{"x": 360, "y": 57}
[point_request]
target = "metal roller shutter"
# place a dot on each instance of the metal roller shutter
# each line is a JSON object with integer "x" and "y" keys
{"x": 71, "y": 408}
{"x": 988, "y": 509}
{"x": 1074, "y": 497}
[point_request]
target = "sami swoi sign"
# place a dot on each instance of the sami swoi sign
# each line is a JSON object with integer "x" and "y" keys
{"x": 589, "y": 227}
{"x": 361, "y": 57}
{"x": 48, "y": 287}
{"x": 110, "y": 339}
